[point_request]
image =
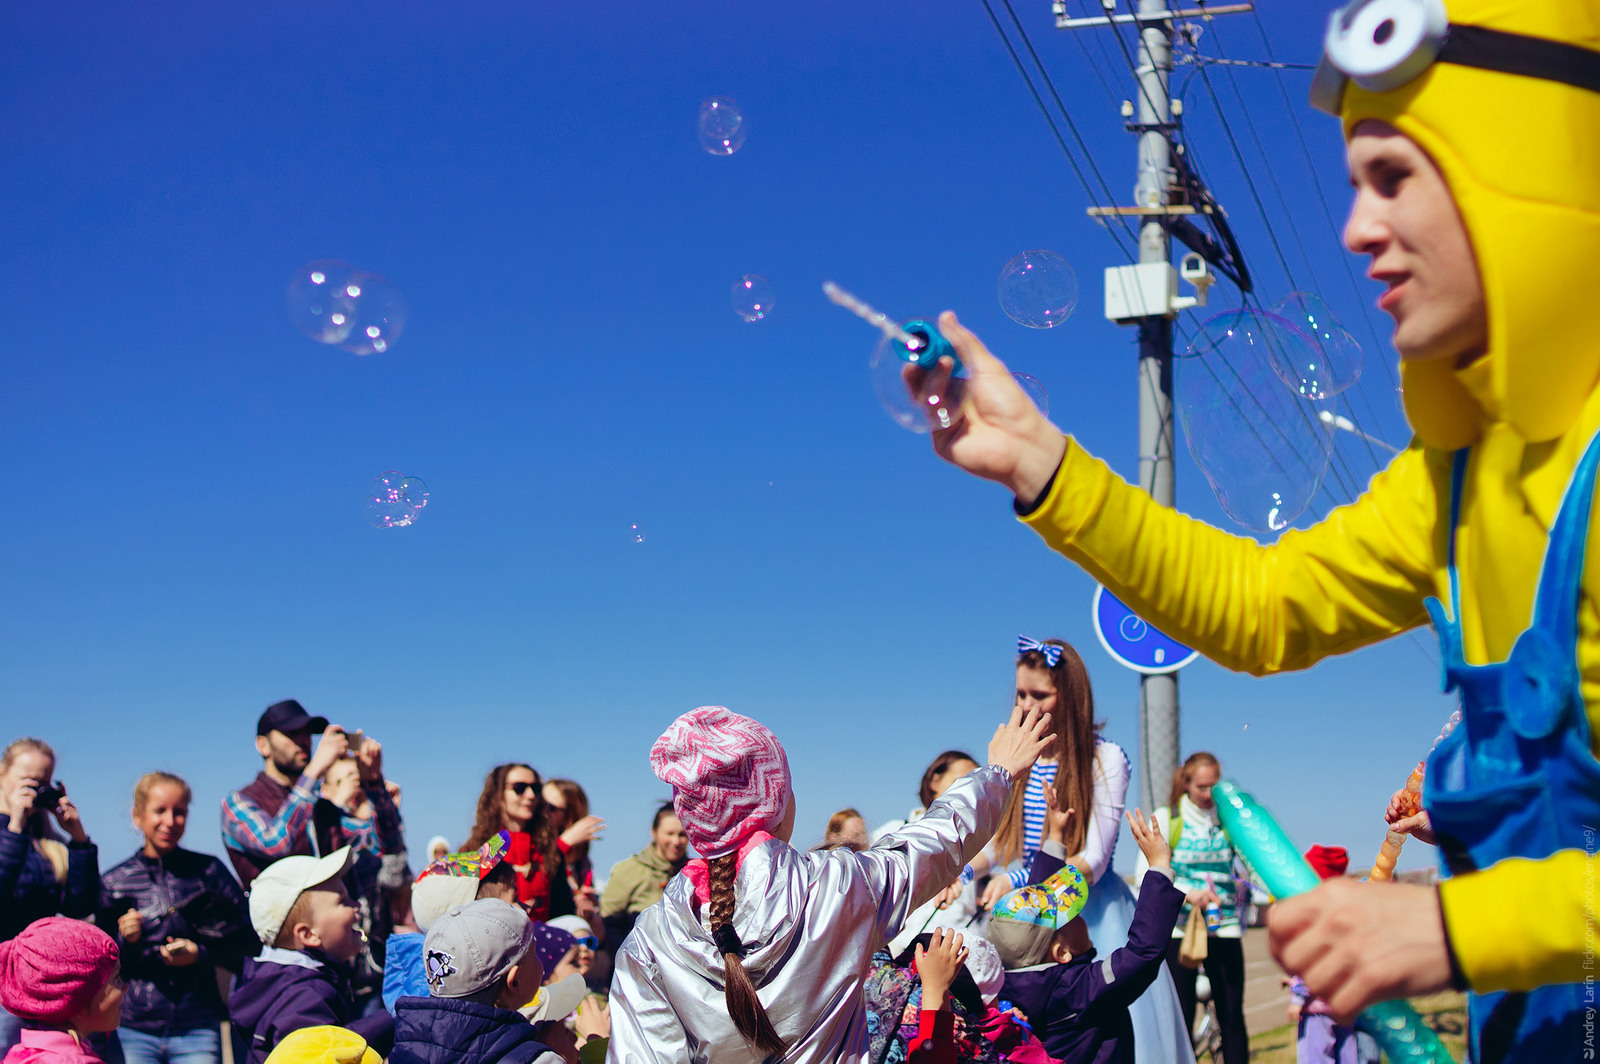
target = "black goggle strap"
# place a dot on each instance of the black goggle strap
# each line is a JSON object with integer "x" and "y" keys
{"x": 1486, "y": 49}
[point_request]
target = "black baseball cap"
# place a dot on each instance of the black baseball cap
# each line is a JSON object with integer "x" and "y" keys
{"x": 289, "y": 716}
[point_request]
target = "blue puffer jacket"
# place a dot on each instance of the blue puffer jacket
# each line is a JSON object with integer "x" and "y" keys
{"x": 182, "y": 895}
{"x": 29, "y": 889}
{"x": 430, "y": 1030}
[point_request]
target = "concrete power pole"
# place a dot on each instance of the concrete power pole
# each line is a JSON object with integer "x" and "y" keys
{"x": 1158, "y": 695}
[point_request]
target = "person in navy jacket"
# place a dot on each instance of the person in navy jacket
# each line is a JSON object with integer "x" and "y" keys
{"x": 1076, "y": 1001}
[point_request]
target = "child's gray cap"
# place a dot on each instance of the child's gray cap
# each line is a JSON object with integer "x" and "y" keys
{"x": 469, "y": 949}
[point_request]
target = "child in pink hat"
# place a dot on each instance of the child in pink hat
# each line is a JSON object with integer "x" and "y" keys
{"x": 758, "y": 949}
{"x": 60, "y": 977}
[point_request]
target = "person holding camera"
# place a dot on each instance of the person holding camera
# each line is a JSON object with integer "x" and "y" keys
{"x": 40, "y": 875}
{"x": 272, "y": 817}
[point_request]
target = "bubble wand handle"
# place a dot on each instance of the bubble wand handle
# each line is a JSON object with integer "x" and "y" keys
{"x": 1400, "y": 1032}
{"x": 918, "y": 341}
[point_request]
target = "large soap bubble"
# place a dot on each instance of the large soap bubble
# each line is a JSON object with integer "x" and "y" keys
{"x": 917, "y": 399}
{"x": 1038, "y": 289}
{"x": 722, "y": 126}
{"x": 1329, "y": 361}
{"x": 1034, "y": 390}
{"x": 395, "y": 501}
{"x": 1263, "y": 449}
{"x": 334, "y": 303}
{"x": 753, "y": 297}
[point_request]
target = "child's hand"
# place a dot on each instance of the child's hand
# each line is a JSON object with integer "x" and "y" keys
{"x": 1151, "y": 842}
{"x": 938, "y": 966}
{"x": 1056, "y": 819}
{"x": 1405, "y": 816}
{"x": 997, "y": 887}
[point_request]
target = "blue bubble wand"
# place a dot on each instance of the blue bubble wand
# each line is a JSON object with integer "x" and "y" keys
{"x": 915, "y": 341}
{"x": 1400, "y": 1032}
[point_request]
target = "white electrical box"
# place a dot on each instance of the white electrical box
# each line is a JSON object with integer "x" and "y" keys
{"x": 1142, "y": 291}
{"x": 1150, "y": 289}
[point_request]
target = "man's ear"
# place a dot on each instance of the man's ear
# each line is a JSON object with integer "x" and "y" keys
{"x": 263, "y": 747}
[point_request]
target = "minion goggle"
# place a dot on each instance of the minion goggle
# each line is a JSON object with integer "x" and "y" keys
{"x": 1384, "y": 44}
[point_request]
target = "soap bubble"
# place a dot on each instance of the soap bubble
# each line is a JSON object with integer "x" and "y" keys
{"x": 1038, "y": 289}
{"x": 752, "y": 297}
{"x": 1262, "y": 448}
{"x": 917, "y": 399}
{"x": 1329, "y": 361}
{"x": 319, "y": 304}
{"x": 395, "y": 501}
{"x": 334, "y": 303}
{"x": 722, "y": 127}
{"x": 636, "y": 533}
{"x": 1034, "y": 391}
{"x": 380, "y": 314}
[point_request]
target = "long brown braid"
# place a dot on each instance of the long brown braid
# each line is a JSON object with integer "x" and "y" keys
{"x": 744, "y": 1007}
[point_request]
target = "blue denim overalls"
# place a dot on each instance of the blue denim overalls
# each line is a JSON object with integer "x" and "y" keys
{"x": 1517, "y": 778}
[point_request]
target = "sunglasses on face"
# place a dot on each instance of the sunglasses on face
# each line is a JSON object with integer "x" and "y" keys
{"x": 589, "y": 942}
{"x": 519, "y": 789}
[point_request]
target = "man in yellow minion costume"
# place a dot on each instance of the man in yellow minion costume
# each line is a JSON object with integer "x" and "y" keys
{"x": 1473, "y": 132}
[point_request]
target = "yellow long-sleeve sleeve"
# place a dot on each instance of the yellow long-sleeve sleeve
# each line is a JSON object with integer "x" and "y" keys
{"x": 1358, "y": 577}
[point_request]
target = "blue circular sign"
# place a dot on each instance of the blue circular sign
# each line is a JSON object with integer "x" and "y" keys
{"x": 1127, "y": 638}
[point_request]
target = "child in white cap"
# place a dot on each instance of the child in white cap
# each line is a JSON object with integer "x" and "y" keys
{"x": 758, "y": 950}
{"x": 307, "y": 926}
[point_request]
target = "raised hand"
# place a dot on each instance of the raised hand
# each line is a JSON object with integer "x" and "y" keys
{"x": 1001, "y": 435}
{"x": 939, "y": 964}
{"x": 1405, "y": 816}
{"x": 1147, "y": 833}
{"x": 335, "y": 744}
{"x": 586, "y": 830}
{"x": 1018, "y": 743}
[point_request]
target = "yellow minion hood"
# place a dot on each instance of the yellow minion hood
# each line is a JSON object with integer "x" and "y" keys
{"x": 1522, "y": 156}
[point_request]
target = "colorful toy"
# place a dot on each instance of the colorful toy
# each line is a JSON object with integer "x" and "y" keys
{"x": 1400, "y": 1032}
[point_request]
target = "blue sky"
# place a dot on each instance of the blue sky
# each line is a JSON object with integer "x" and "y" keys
{"x": 183, "y": 540}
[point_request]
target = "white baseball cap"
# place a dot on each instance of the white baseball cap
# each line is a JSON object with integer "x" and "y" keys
{"x": 558, "y": 1000}
{"x": 274, "y": 891}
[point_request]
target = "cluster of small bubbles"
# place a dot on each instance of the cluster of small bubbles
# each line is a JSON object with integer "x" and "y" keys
{"x": 334, "y": 303}
{"x": 1038, "y": 289}
{"x": 1034, "y": 391}
{"x": 635, "y": 533}
{"x": 1330, "y": 359}
{"x": 395, "y": 501}
{"x": 753, "y": 297}
{"x": 1261, "y": 446}
{"x": 722, "y": 126}
{"x": 921, "y": 400}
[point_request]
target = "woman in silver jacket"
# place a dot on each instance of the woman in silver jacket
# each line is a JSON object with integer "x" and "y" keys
{"x": 780, "y": 939}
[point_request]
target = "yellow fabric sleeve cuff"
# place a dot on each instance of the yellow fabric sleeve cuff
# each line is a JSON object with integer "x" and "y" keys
{"x": 1519, "y": 924}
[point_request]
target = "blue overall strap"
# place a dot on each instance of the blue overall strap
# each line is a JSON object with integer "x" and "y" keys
{"x": 1458, "y": 480}
{"x": 1555, "y": 607}
{"x": 1447, "y": 618}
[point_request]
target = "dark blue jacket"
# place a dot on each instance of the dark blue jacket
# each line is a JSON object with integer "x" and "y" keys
{"x": 1079, "y": 1009}
{"x": 182, "y": 895}
{"x": 431, "y": 1030}
{"x": 284, "y": 990}
{"x": 29, "y": 889}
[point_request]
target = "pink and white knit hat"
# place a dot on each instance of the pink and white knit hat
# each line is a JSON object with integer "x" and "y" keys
{"x": 729, "y": 776}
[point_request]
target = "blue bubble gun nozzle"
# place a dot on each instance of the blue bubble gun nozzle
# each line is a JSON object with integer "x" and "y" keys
{"x": 1399, "y": 1031}
{"x": 916, "y": 341}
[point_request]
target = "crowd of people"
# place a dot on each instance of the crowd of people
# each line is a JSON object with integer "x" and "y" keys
{"x": 320, "y": 921}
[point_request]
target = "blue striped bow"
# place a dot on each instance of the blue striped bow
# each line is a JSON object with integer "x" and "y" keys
{"x": 1052, "y": 654}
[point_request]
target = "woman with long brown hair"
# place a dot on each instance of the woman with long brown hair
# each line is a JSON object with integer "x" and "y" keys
{"x": 1088, "y": 774}
{"x": 512, "y": 800}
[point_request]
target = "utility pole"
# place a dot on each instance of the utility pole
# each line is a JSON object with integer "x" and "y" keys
{"x": 1158, "y": 694}
{"x": 1146, "y": 296}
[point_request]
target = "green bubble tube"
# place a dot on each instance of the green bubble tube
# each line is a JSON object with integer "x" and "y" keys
{"x": 1400, "y": 1032}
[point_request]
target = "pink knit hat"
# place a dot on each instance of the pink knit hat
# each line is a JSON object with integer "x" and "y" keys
{"x": 729, "y": 777}
{"x": 51, "y": 971}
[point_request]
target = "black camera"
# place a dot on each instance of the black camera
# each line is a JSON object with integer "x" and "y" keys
{"x": 47, "y": 798}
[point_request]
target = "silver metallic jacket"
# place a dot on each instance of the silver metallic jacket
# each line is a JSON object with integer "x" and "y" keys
{"x": 810, "y": 923}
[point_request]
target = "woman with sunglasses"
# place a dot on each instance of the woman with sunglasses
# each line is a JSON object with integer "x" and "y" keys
{"x": 512, "y": 800}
